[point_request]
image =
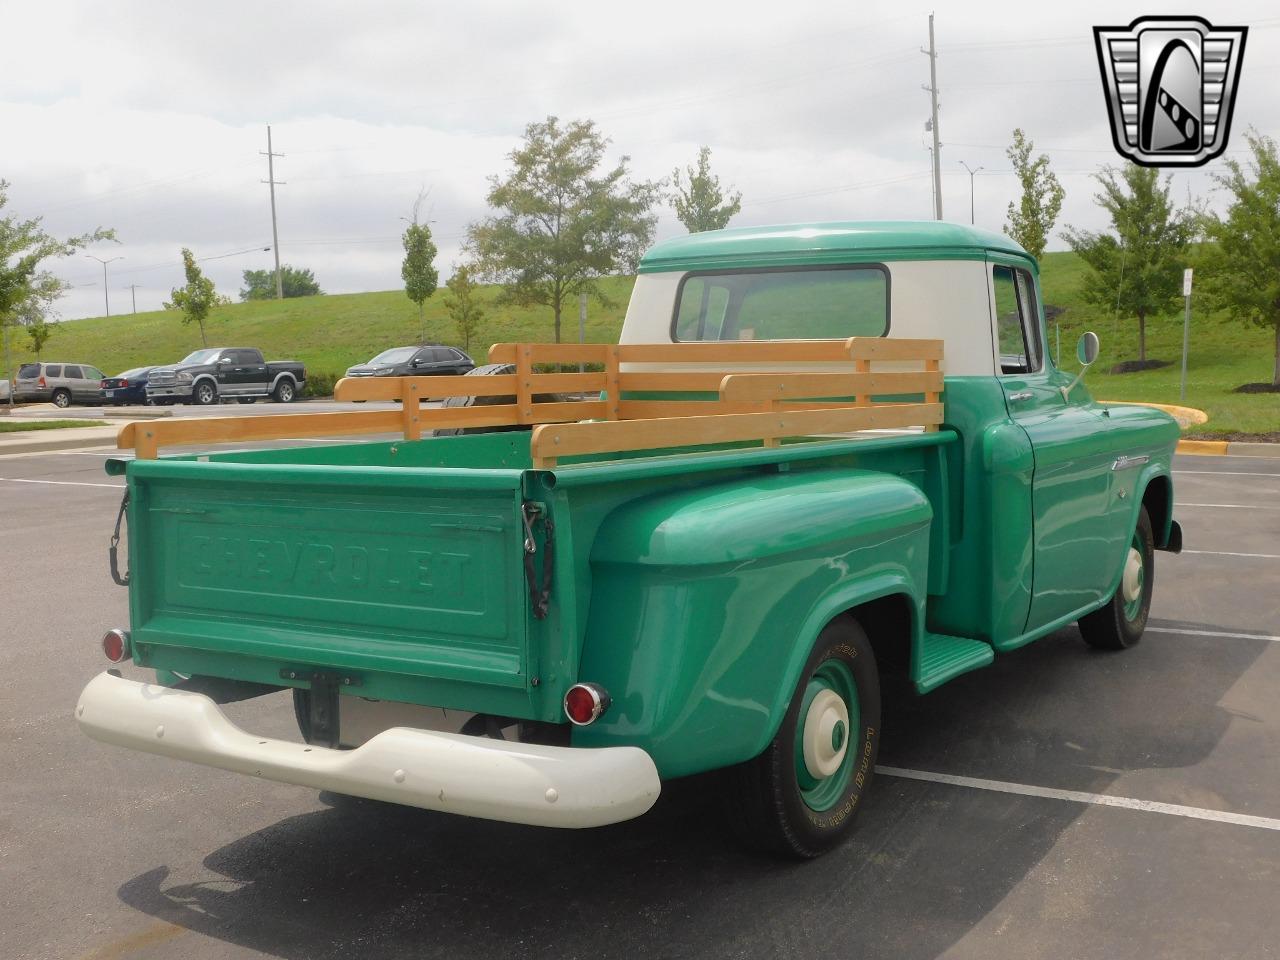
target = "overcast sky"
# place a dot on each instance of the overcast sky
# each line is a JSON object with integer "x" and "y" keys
{"x": 149, "y": 117}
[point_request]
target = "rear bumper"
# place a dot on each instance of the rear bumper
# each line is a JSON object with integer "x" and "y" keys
{"x": 451, "y": 773}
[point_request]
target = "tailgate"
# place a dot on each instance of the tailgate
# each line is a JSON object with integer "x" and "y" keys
{"x": 410, "y": 582}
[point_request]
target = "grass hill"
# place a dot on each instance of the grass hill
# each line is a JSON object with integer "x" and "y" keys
{"x": 330, "y": 333}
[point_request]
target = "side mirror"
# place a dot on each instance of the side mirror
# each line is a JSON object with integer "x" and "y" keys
{"x": 1086, "y": 352}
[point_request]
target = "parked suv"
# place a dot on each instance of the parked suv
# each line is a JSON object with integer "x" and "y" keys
{"x": 428, "y": 360}
{"x": 60, "y": 383}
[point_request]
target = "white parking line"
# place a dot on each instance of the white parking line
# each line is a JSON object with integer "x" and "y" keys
{"x": 1227, "y": 553}
{"x": 1212, "y": 633}
{"x": 64, "y": 483}
{"x": 1078, "y": 796}
{"x": 1231, "y": 506}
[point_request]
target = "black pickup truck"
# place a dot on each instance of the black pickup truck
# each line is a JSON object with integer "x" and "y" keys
{"x": 223, "y": 373}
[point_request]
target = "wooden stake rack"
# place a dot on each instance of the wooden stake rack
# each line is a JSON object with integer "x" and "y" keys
{"x": 762, "y": 391}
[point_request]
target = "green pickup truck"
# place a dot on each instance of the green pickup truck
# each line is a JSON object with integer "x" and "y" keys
{"x": 819, "y": 454}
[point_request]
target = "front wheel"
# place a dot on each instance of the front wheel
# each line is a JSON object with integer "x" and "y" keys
{"x": 799, "y": 797}
{"x": 1120, "y": 623}
{"x": 205, "y": 394}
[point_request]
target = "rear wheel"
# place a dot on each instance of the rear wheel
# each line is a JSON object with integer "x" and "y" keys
{"x": 1120, "y": 623}
{"x": 284, "y": 392}
{"x": 799, "y": 797}
{"x": 205, "y": 393}
{"x": 489, "y": 370}
{"x": 62, "y": 399}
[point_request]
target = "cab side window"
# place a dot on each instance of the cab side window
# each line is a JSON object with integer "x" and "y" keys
{"x": 1017, "y": 320}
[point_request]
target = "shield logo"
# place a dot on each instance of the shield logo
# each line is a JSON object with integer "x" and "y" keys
{"x": 1170, "y": 84}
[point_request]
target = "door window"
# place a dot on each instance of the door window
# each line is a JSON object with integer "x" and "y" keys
{"x": 53, "y": 370}
{"x": 72, "y": 373}
{"x": 1017, "y": 320}
{"x": 93, "y": 373}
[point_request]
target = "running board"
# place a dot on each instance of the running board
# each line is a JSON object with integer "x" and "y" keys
{"x": 943, "y": 657}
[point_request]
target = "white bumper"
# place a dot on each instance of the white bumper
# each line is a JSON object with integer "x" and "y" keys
{"x": 496, "y": 779}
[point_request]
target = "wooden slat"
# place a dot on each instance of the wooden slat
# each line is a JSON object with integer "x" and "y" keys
{"x": 566, "y": 382}
{"x": 735, "y": 351}
{"x": 550, "y": 352}
{"x": 434, "y": 388}
{"x": 147, "y": 437}
{"x": 552, "y": 441}
{"x": 798, "y": 386}
{"x": 881, "y": 348}
{"x": 658, "y": 409}
{"x": 691, "y": 381}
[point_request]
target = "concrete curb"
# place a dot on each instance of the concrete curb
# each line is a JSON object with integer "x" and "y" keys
{"x": 68, "y": 438}
{"x": 1228, "y": 448}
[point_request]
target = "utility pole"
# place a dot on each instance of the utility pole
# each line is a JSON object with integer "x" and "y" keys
{"x": 971, "y": 175}
{"x": 933, "y": 93}
{"x": 106, "y": 299}
{"x": 133, "y": 292}
{"x": 271, "y": 179}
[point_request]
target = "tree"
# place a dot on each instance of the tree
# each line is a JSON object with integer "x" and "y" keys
{"x": 421, "y": 278}
{"x": 1031, "y": 220}
{"x": 1242, "y": 261}
{"x": 294, "y": 281}
{"x": 462, "y": 304}
{"x": 39, "y": 332}
{"x": 700, "y": 204}
{"x": 1136, "y": 271}
{"x": 561, "y": 223}
{"x": 27, "y": 291}
{"x": 197, "y": 298}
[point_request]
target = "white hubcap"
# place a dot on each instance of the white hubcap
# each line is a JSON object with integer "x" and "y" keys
{"x": 1132, "y": 583}
{"x": 826, "y": 734}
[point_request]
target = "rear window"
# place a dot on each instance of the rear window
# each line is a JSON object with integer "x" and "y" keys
{"x": 29, "y": 371}
{"x": 783, "y": 304}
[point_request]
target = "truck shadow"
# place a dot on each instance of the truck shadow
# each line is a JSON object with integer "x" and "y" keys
{"x": 927, "y": 863}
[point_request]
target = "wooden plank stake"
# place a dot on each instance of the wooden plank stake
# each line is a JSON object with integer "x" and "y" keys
{"x": 931, "y": 396}
{"x": 524, "y": 393}
{"x": 612, "y": 382}
{"x": 409, "y": 410}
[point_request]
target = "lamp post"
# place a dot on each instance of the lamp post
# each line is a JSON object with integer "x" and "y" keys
{"x": 971, "y": 176}
{"x": 106, "y": 300}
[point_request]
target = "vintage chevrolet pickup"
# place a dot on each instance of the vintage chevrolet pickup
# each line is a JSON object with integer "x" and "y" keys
{"x": 819, "y": 454}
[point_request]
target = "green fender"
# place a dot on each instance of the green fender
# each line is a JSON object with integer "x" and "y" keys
{"x": 706, "y": 601}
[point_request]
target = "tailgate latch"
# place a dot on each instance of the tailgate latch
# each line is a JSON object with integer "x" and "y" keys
{"x": 539, "y": 592}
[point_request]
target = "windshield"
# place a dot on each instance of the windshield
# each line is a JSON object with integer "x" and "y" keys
{"x": 202, "y": 356}
{"x": 394, "y": 355}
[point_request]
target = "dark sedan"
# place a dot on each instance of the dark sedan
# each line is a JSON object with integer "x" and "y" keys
{"x": 428, "y": 360}
{"x": 127, "y": 387}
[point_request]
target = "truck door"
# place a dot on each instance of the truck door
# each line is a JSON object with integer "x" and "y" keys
{"x": 1070, "y": 442}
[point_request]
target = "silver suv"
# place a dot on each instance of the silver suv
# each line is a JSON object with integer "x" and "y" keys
{"x": 60, "y": 383}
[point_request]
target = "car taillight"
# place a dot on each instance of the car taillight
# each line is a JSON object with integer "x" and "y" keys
{"x": 124, "y": 383}
{"x": 585, "y": 702}
{"x": 40, "y": 382}
{"x": 115, "y": 644}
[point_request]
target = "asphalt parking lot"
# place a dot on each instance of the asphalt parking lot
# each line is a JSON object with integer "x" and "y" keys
{"x": 1061, "y": 803}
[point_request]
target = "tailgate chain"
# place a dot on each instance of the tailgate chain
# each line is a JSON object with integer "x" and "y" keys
{"x": 539, "y": 596}
{"x": 113, "y": 550}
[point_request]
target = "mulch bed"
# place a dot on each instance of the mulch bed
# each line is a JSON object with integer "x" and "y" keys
{"x": 1133, "y": 366}
{"x": 1257, "y": 388}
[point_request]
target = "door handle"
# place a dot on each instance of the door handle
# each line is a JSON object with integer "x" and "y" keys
{"x": 1021, "y": 395}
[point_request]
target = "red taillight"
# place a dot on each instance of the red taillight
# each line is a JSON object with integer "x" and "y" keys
{"x": 40, "y": 382}
{"x": 585, "y": 702}
{"x": 123, "y": 383}
{"x": 115, "y": 644}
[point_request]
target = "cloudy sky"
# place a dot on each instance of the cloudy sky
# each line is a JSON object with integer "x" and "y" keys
{"x": 149, "y": 116}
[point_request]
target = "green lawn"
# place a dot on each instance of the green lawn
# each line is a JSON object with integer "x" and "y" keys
{"x": 330, "y": 333}
{"x": 20, "y": 426}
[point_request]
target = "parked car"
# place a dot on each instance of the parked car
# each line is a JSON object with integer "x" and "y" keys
{"x": 127, "y": 387}
{"x": 61, "y": 384}
{"x": 217, "y": 373}
{"x": 428, "y": 360}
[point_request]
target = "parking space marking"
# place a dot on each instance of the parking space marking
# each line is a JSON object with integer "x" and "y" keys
{"x": 1232, "y": 506}
{"x": 1212, "y": 633}
{"x": 65, "y": 483}
{"x": 1078, "y": 796}
{"x": 1228, "y": 553}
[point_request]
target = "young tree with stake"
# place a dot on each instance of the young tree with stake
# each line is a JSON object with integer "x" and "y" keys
{"x": 198, "y": 298}
{"x": 699, "y": 201}
{"x": 421, "y": 278}
{"x": 463, "y": 305}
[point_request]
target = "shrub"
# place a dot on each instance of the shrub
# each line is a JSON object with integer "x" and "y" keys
{"x": 320, "y": 384}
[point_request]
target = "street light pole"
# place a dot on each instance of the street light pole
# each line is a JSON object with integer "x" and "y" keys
{"x": 971, "y": 175}
{"x": 106, "y": 299}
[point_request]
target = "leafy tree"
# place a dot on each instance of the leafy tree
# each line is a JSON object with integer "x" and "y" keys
{"x": 197, "y": 298}
{"x": 1031, "y": 220}
{"x": 26, "y": 291}
{"x": 294, "y": 281}
{"x": 561, "y": 223}
{"x": 1138, "y": 269}
{"x": 39, "y": 332}
{"x": 421, "y": 278}
{"x": 699, "y": 202}
{"x": 1242, "y": 261}
{"x": 463, "y": 305}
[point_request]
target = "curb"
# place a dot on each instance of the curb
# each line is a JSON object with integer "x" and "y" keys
{"x": 46, "y": 444}
{"x": 1228, "y": 448}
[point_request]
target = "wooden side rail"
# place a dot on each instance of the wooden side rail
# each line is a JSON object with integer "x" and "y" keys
{"x": 685, "y": 408}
